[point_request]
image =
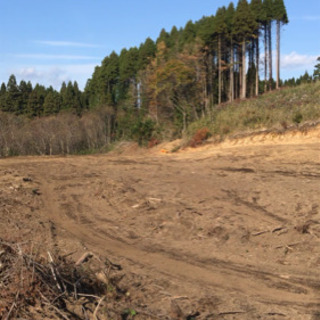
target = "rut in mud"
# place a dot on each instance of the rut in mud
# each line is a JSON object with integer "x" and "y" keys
{"x": 224, "y": 233}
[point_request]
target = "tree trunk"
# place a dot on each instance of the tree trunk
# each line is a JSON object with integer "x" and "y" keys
{"x": 250, "y": 76}
{"x": 139, "y": 94}
{"x": 210, "y": 82}
{"x": 109, "y": 129}
{"x": 219, "y": 71}
{"x": 257, "y": 65}
{"x": 207, "y": 84}
{"x": 205, "y": 98}
{"x": 239, "y": 58}
{"x": 231, "y": 88}
{"x": 244, "y": 78}
{"x": 270, "y": 54}
{"x": 278, "y": 55}
{"x": 184, "y": 116}
{"x": 265, "y": 57}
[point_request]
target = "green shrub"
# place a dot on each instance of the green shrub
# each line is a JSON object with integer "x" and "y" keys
{"x": 297, "y": 118}
{"x": 143, "y": 130}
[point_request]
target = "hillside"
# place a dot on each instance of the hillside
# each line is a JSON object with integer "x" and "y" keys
{"x": 278, "y": 111}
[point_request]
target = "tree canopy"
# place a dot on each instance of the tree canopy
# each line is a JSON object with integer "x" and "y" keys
{"x": 172, "y": 80}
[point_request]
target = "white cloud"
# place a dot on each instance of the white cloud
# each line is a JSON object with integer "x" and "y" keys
{"x": 41, "y": 56}
{"x": 67, "y": 44}
{"x": 295, "y": 60}
{"x": 55, "y": 75}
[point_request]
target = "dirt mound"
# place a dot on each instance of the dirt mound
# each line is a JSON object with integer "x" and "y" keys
{"x": 306, "y": 133}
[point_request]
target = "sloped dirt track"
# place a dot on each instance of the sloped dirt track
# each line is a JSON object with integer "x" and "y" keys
{"x": 226, "y": 233}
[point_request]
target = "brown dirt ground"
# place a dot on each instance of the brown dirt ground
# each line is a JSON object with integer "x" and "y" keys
{"x": 227, "y": 231}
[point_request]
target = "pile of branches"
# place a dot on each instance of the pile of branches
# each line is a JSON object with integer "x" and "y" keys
{"x": 35, "y": 286}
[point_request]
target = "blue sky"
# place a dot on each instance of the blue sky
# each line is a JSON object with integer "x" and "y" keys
{"x": 60, "y": 40}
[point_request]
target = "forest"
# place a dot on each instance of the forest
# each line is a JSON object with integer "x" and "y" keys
{"x": 160, "y": 87}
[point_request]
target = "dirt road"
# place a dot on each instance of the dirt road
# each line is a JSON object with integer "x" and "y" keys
{"x": 226, "y": 233}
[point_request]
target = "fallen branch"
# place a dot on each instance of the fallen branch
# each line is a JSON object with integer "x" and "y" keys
{"x": 259, "y": 233}
{"x": 278, "y": 229}
{"x": 289, "y": 245}
{"x": 14, "y": 304}
{"x": 51, "y": 264}
{"x": 276, "y": 314}
{"x": 97, "y": 308}
{"x": 231, "y": 312}
{"x": 84, "y": 258}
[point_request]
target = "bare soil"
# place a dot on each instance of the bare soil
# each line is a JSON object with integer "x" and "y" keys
{"x": 220, "y": 232}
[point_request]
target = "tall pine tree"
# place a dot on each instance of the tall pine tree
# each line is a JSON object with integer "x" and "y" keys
{"x": 229, "y": 21}
{"x": 3, "y": 96}
{"x": 13, "y": 96}
{"x": 267, "y": 17}
{"x": 257, "y": 9}
{"x": 281, "y": 17}
{"x": 52, "y": 103}
{"x": 244, "y": 27}
{"x": 221, "y": 30}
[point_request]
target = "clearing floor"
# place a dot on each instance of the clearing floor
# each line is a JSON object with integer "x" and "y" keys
{"x": 223, "y": 232}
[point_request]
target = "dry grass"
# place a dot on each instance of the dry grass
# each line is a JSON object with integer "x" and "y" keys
{"x": 277, "y": 110}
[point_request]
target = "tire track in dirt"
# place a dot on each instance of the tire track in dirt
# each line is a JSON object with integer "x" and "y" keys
{"x": 90, "y": 200}
{"x": 213, "y": 274}
{"x": 256, "y": 208}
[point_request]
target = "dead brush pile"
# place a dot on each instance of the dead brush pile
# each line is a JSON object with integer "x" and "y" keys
{"x": 199, "y": 137}
{"x": 33, "y": 286}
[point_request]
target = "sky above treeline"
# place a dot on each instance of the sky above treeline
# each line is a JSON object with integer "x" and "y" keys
{"x": 48, "y": 42}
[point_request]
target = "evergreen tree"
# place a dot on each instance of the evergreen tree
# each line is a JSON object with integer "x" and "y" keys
{"x": 206, "y": 27}
{"x": 13, "y": 96}
{"x": 188, "y": 35}
{"x": 206, "y": 30}
{"x": 147, "y": 51}
{"x": 63, "y": 91}
{"x": 215, "y": 48}
{"x": 108, "y": 80}
{"x": 93, "y": 89}
{"x": 128, "y": 65}
{"x": 25, "y": 91}
{"x": 316, "y": 73}
{"x": 36, "y": 100}
{"x": 67, "y": 95}
{"x": 305, "y": 78}
{"x": 164, "y": 37}
{"x": 244, "y": 27}
{"x": 229, "y": 21}
{"x": 257, "y": 10}
{"x": 77, "y": 99}
{"x": 221, "y": 30}
{"x": 3, "y": 96}
{"x": 267, "y": 17}
{"x": 175, "y": 36}
{"x": 52, "y": 103}
{"x": 281, "y": 17}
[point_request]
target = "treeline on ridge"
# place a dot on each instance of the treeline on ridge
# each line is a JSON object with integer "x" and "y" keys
{"x": 161, "y": 86}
